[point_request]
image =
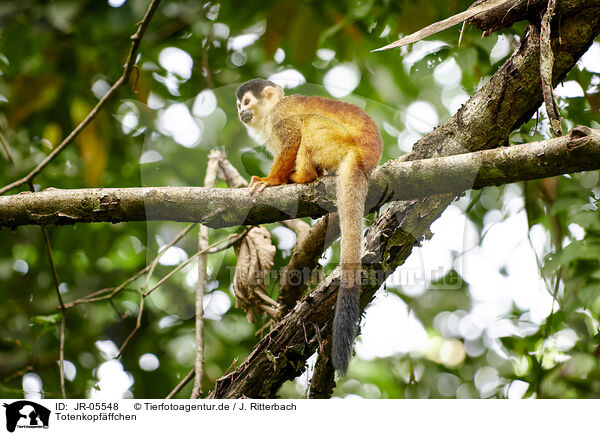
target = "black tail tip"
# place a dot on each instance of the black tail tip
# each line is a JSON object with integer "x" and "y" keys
{"x": 344, "y": 328}
{"x": 340, "y": 360}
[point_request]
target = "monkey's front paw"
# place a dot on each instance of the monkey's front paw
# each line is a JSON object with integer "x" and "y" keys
{"x": 258, "y": 184}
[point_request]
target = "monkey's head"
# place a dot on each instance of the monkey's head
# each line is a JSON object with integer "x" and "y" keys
{"x": 255, "y": 99}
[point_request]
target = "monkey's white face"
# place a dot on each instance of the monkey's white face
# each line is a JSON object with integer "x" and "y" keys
{"x": 251, "y": 109}
{"x": 254, "y": 112}
{"x": 245, "y": 107}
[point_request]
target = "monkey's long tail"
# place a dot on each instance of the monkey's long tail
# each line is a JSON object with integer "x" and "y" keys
{"x": 351, "y": 194}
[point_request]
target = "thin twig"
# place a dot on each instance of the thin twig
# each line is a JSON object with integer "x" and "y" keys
{"x": 6, "y": 149}
{"x": 205, "y": 66}
{"x": 108, "y": 293}
{"x": 45, "y": 235}
{"x": 181, "y": 384}
{"x": 232, "y": 238}
{"x": 462, "y": 31}
{"x": 138, "y": 323}
{"x": 209, "y": 181}
{"x": 129, "y": 64}
{"x": 112, "y": 291}
{"x": 557, "y": 239}
{"x": 199, "y": 313}
{"x": 61, "y": 365}
{"x": 18, "y": 374}
{"x": 547, "y": 330}
{"x": 546, "y": 67}
{"x": 162, "y": 251}
{"x": 61, "y": 351}
{"x": 62, "y": 308}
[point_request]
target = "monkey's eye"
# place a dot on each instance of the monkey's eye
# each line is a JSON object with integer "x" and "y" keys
{"x": 246, "y": 102}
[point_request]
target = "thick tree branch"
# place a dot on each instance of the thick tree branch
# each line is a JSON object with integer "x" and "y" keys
{"x": 322, "y": 381}
{"x": 296, "y": 275}
{"x": 395, "y": 180}
{"x": 513, "y": 11}
{"x": 490, "y": 16}
{"x": 510, "y": 98}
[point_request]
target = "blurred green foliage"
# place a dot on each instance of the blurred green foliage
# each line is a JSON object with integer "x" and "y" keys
{"x": 57, "y": 58}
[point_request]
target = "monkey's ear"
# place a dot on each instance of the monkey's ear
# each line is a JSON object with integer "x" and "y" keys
{"x": 271, "y": 92}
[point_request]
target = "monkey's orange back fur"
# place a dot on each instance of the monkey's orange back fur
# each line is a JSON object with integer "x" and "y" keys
{"x": 331, "y": 129}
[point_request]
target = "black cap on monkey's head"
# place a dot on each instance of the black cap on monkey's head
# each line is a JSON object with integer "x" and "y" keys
{"x": 255, "y": 86}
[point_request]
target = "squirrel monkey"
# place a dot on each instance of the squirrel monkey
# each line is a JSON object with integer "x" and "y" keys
{"x": 307, "y": 136}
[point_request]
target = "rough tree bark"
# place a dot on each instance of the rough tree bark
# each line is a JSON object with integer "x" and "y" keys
{"x": 217, "y": 208}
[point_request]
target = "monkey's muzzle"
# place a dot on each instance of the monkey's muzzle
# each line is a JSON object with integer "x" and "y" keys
{"x": 246, "y": 115}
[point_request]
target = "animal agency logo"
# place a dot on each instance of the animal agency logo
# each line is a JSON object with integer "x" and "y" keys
{"x": 26, "y": 414}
